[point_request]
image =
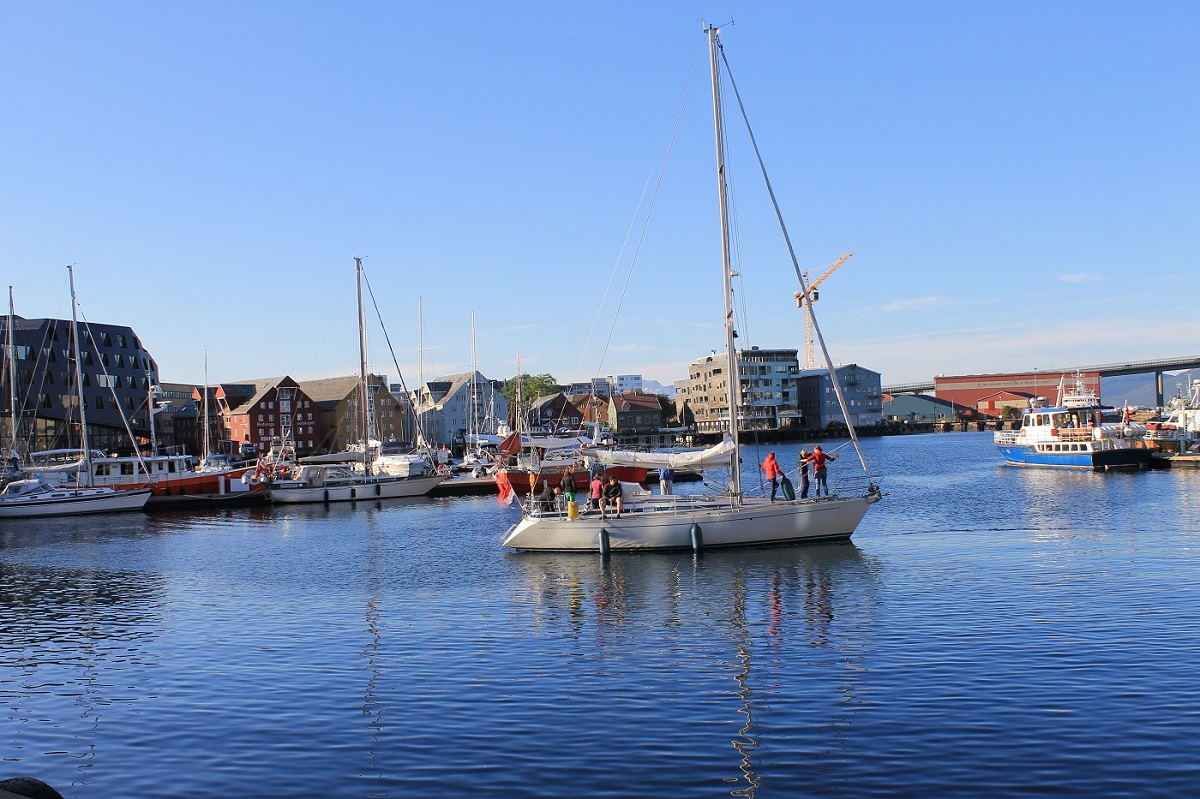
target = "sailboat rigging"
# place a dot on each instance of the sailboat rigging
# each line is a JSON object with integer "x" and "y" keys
{"x": 703, "y": 521}
{"x": 36, "y": 497}
{"x": 330, "y": 482}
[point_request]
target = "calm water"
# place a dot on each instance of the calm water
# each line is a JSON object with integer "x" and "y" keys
{"x": 991, "y": 631}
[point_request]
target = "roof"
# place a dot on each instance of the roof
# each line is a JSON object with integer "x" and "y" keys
{"x": 637, "y": 402}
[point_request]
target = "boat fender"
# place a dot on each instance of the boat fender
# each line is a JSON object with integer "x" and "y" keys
{"x": 697, "y": 538}
{"x": 245, "y": 478}
{"x": 378, "y": 489}
{"x": 353, "y": 493}
{"x": 327, "y": 495}
{"x": 604, "y": 544}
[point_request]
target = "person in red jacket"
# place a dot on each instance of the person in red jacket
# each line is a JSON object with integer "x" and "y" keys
{"x": 771, "y": 471}
{"x": 818, "y": 459}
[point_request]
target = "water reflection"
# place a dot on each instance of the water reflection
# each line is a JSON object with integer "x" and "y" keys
{"x": 63, "y": 633}
{"x": 756, "y": 607}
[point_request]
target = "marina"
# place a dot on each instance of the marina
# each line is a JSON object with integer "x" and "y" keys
{"x": 992, "y": 617}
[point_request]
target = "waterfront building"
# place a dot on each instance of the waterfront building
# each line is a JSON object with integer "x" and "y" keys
{"x": 635, "y": 414}
{"x": 450, "y": 406}
{"x": 118, "y": 373}
{"x": 600, "y": 386}
{"x": 553, "y": 412}
{"x": 969, "y": 390}
{"x": 254, "y": 413}
{"x": 775, "y": 393}
{"x": 861, "y": 388}
{"x": 920, "y": 408}
{"x": 768, "y": 398}
{"x": 593, "y": 408}
{"x": 337, "y": 400}
{"x": 625, "y": 383}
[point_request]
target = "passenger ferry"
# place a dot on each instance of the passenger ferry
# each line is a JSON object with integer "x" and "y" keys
{"x": 1071, "y": 434}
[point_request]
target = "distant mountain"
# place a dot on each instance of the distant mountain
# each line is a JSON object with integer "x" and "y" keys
{"x": 1139, "y": 389}
{"x": 655, "y": 387}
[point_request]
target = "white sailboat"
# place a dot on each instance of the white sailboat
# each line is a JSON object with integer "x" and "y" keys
{"x": 35, "y": 497}
{"x": 322, "y": 482}
{"x": 696, "y": 522}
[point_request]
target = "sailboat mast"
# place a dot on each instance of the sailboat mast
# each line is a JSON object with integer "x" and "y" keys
{"x": 735, "y": 484}
{"x": 11, "y": 353}
{"x": 207, "y": 439}
{"x": 364, "y": 400}
{"x": 421, "y": 438}
{"x": 474, "y": 389}
{"x": 83, "y": 435}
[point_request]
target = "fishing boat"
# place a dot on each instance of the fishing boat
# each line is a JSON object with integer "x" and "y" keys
{"x": 34, "y": 496}
{"x": 724, "y": 519}
{"x": 1072, "y": 434}
{"x": 1178, "y": 431}
{"x": 329, "y": 482}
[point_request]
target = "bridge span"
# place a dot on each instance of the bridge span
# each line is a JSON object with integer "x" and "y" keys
{"x": 1157, "y": 366}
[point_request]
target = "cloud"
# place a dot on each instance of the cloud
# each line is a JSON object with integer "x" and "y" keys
{"x": 1080, "y": 277}
{"x": 917, "y": 304}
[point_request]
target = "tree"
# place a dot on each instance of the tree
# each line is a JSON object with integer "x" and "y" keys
{"x": 668, "y": 409}
{"x": 532, "y": 387}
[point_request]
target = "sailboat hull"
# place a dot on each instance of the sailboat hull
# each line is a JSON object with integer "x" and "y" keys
{"x": 364, "y": 489}
{"x": 668, "y": 523}
{"x": 62, "y": 501}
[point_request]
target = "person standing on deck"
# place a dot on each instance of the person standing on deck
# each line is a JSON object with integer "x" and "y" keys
{"x": 818, "y": 459}
{"x": 805, "y": 459}
{"x": 596, "y": 489}
{"x": 666, "y": 480}
{"x": 771, "y": 471}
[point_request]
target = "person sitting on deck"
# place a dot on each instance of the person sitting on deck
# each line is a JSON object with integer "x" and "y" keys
{"x": 612, "y": 496}
{"x": 546, "y": 498}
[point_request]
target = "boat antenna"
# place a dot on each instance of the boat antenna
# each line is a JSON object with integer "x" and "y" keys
{"x": 735, "y": 482}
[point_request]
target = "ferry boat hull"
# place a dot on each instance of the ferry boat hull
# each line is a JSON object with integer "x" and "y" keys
{"x": 1126, "y": 458}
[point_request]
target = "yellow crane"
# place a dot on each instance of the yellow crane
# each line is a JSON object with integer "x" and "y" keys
{"x": 805, "y": 300}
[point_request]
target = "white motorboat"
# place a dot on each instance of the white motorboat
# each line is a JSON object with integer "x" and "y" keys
{"x": 697, "y": 522}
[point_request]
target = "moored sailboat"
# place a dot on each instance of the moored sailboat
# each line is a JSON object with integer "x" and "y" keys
{"x": 34, "y": 496}
{"x": 702, "y": 521}
{"x": 324, "y": 482}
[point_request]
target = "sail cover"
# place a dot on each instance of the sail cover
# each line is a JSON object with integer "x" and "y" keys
{"x": 716, "y": 455}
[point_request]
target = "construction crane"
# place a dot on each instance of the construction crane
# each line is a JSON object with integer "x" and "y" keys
{"x": 805, "y": 300}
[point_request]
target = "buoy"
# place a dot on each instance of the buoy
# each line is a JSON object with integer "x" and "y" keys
{"x": 697, "y": 538}
{"x": 604, "y": 546}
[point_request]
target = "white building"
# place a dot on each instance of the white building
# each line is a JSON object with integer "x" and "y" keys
{"x": 450, "y": 407}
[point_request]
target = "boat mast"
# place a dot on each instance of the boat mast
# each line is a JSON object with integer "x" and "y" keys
{"x": 364, "y": 396}
{"x": 206, "y": 430}
{"x": 735, "y": 482}
{"x": 421, "y": 439}
{"x": 11, "y": 352}
{"x": 83, "y": 436}
{"x": 474, "y": 418}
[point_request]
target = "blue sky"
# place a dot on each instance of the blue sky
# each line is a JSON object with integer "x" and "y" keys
{"x": 1019, "y": 182}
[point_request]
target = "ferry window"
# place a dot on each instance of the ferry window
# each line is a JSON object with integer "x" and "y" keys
{"x": 171, "y": 466}
{"x": 126, "y": 468}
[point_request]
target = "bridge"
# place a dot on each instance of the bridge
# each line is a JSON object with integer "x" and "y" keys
{"x": 1158, "y": 366}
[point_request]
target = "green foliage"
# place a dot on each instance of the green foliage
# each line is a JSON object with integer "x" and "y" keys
{"x": 532, "y": 387}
